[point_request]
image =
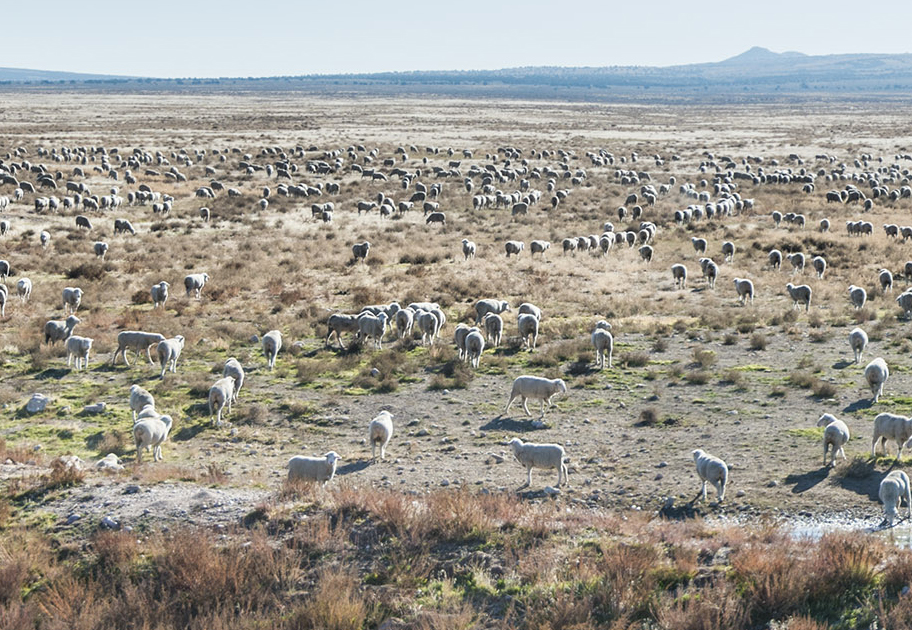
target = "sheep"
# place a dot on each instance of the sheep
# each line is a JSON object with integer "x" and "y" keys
{"x": 892, "y": 489}
{"x": 485, "y": 306}
{"x": 468, "y": 249}
{"x": 527, "y": 325}
{"x": 370, "y": 326}
{"x": 539, "y": 247}
{"x": 4, "y": 226}
{"x": 321, "y": 469}
{"x": 360, "y": 250}
{"x": 194, "y": 283}
{"x": 234, "y": 369}
{"x": 204, "y": 214}
{"x": 272, "y": 343}
{"x": 57, "y": 330}
{"x": 405, "y": 320}
{"x": 531, "y": 309}
{"x": 436, "y": 217}
{"x": 699, "y": 244}
{"x": 713, "y": 470}
{"x": 72, "y": 297}
{"x": 775, "y": 258}
{"x": 800, "y": 295}
{"x": 710, "y": 271}
{"x": 889, "y": 426}
{"x": 493, "y": 325}
{"x": 745, "y": 290}
{"x": 797, "y": 261}
{"x": 140, "y": 399}
{"x": 514, "y": 247}
{"x": 169, "y": 351}
{"x": 429, "y": 325}
{"x": 876, "y": 374}
{"x": 159, "y": 294}
{"x": 646, "y": 253}
{"x": 44, "y": 238}
{"x": 545, "y": 456}
{"x": 379, "y": 431}
{"x": 569, "y": 245}
{"x": 220, "y": 396}
{"x": 824, "y": 225}
{"x": 728, "y": 251}
{"x": 123, "y": 225}
{"x": 78, "y": 347}
{"x": 535, "y": 388}
{"x": 904, "y": 300}
{"x": 137, "y": 341}
{"x": 4, "y": 296}
{"x": 24, "y": 289}
{"x": 474, "y": 346}
{"x": 603, "y": 342}
{"x": 858, "y": 341}
{"x": 886, "y": 280}
{"x": 679, "y": 275}
{"x": 339, "y": 323}
{"x": 151, "y": 432}
{"x": 858, "y": 296}
{"x": 835, "y": 435}
{"x": 459, "y": 336}
{"x": 100, "y": 248}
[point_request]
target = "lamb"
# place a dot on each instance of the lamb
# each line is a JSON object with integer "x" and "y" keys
{"x": 360, "y": 250}
{"x": 379, "y": 432}
{"x": 169, "y": 351}
{"x": 539, "y": 247}
{"x": 151, "y": 432}
{"x": 57, "y": 330}
{"x": 728, "y": 251}
{"x": 531, "y": 309}
{"x": 78, "y": 347}
{"x": 528, "y": 330}
{"x": 545, "y": 456}
{"x": 535, "y": 388}
{"x": 745, "y": 290}
{"x": 713, "y": 470}
{"x": 797, "y": 261}
{"x": 889, "y": 426}
{"x": 370, "y": 326}
{"x": 493, "y": 325}
{"x": 483, "y": 307}
{"x": 140, "y": 399}
{"x": 904, "y": 300}
{"x": 474, "y": 346}
{"x": 321, "y": 469}
{"x": 775, "y": 258}
{"x": 194, "y": 283}
{"x": 137, "y": 341}
{"x": 679, "y": 275}
{"x": 24, "y": 289}
{"x": 603, "y": 342}
{"x": 339, "y": 323}
{"x": 858, "y": 341}
{"x": 858, "y": 296}
{"x": 405, "y": 320}
{"x": 160, "y": 294}
{"x": 893, "y": 488}
{"x": 100, "y": 248}
{"x": 876, "y": 374}
{"x": 234, "y": 369}
{"x": 820, "y": 265}
{"x": 800, "y": 295}
{"x": 72, "y": 297}
{"x": 886, "y": 280}
{"x": 835, "y": 435}
{"x": 514, "y": 247}
{"x": 272, "y": 343}
{"x": 220, "y": 396}
{"x": 468, "y": 249}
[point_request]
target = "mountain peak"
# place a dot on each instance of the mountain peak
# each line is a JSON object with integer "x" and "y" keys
{"x": 759, "y": 54}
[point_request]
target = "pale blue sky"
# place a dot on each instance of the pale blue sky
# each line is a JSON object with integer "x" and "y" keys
{"x": 204, "y": 38}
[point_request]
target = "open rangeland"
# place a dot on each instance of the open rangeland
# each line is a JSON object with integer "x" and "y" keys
{"x": 439, "y": 533}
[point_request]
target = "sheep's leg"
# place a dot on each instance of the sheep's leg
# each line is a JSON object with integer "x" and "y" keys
{"x": 512, "y": 398}
{"x": 525, "y": 406}
{"x": 703, "y": 490}
{"x": 149, "y": 354}
{"x": 874, "y": 445}
{"x": 528, "y": 477}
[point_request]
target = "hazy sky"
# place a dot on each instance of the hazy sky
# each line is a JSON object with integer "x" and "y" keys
{"x": 204, "y": 38}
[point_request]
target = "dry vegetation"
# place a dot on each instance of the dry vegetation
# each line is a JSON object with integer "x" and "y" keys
{"x": 692, "y": 369}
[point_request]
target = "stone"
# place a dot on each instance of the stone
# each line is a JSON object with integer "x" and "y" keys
{"x": 109, "y": 463}
{"x": 109, "y": 522}
{"x": 96, "y": 408}
{"x": 72, "y": 518}
{"x": 37, "y": 403}
{"x": 551, "y": 491}
{"x": 254, "y": 339}
{"x": 131, "y": 489}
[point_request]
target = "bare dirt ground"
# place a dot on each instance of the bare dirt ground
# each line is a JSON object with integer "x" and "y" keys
{"x": 692, "y": 368}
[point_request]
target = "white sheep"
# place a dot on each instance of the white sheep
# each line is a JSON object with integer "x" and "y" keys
{"x": 699, "y": 244}
{"x": 679, "y": 275}
{"x": 858, "y": 341}
{"x": 539, "y": 247}
{"x": 380, "y": 431}
{"x": 710, "y": 271}
{"x": 890, "y": 426}
{"x": 429, "y": 326}
{"x": 459, "y": 336}
{"x": 138, "y": 341}
{"x": 78, "y": 348}
{"x": 876, "y": 374}
{"x": 151, "y": 432}
{"x": 745, "y": 290}
{"x": 318, "y": 469}
{"x": 160, "y": 294}
{"x": 531, "y": 309}
{"x": 405, "y": 320}
{"x": 893, "y": 488}
{"x": 527, "y": 324}
{"x": 140, "y": 399}
{"x": 820, "y": 265}
{"x": 858, "y": 296}
{"x": 4, "y": 296}
{"x": 24, "y": 289}
{"x": 44, "y": 238}
{"x": 904, "y": 300}
{"x": 482, "y": 307}
{"x": 603, "y": 342}
{"x": 474, "y": 346}
{"x": 885, "y": 276}
{"x": 797, "y": 260}
{"x": 713, "y": 470}
{"x": 646, "y": 253}
{"x": 371, "y": 327}
{"x": 514, "y": 247}
{"x": 220, "y": 396}
{"x": 100, "y": 248}
{"x": 545, "y": 456}
{"x": 468, "y": 249}
{"x": 535, "y": 388}
{"x": 272, "y": 343}
{"x": 72, "y": 297}
{"x": 360, "y": 250}
{"x": 339, "y": 323}
{"x": 835, "y": 435}
{"x": 775, "y": 258}
{"x": 169, "y": 351}
{"x": 728, "y": 251}
{"x": 58, "y": 330}
{"x": 493, "y": 325}
{"x": 234, "y": 369}
{"x": 194, "y": 283}
{"x": 800, "y": 295}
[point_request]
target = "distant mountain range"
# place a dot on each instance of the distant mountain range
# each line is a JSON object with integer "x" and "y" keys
{"x": 757, "y": 71}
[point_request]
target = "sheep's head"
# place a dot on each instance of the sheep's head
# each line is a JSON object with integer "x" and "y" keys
{"x": 826, "y": 419}
{"x": 697, "y": 454}
{"x": 561, "y": 385}
{"x": 332, "y": 457}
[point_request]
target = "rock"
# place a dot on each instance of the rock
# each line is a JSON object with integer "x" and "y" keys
{"x": 297, "y": 348}
{"x": 538, "y": 424}
{"x": 254, "y": 339}
{"x": 658, "y": 477}
{"x": 37, "y": 403}
{"x": 131, "y": 489}
{"x": 422, "y": 433}
{"x": 393, "y": 623}
{"x": 445, "y": 482}
{"x": 551, "y": 491}
{"x": 109, "y": 463}
{"x": 661, "y": 464}
{"x": 375, "y": 373}
{"x": 413, "y": 422}
{"x": 72, "y": 518}
{"x": 772, "y": 484}
{"x": 109, "y": 523}
{"x": 96, "y": 408}
{"x": 669, "y": 503}
{"x": 740, "y": 493}
{"x": 497, "y": 459}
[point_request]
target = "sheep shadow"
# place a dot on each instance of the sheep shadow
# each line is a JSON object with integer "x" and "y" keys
{"x": 842, "y": 364}
{"x": 509, "y": 424}
{"x": 189, "y": 432}
{"x": 863, "y": 479}
{"x": 859, "y": 405}
{"x": 55, "y": 373}
{"x": 805, "y": 481}
{"x": 353, "y": 467}
{"x": 683, "y": 512}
